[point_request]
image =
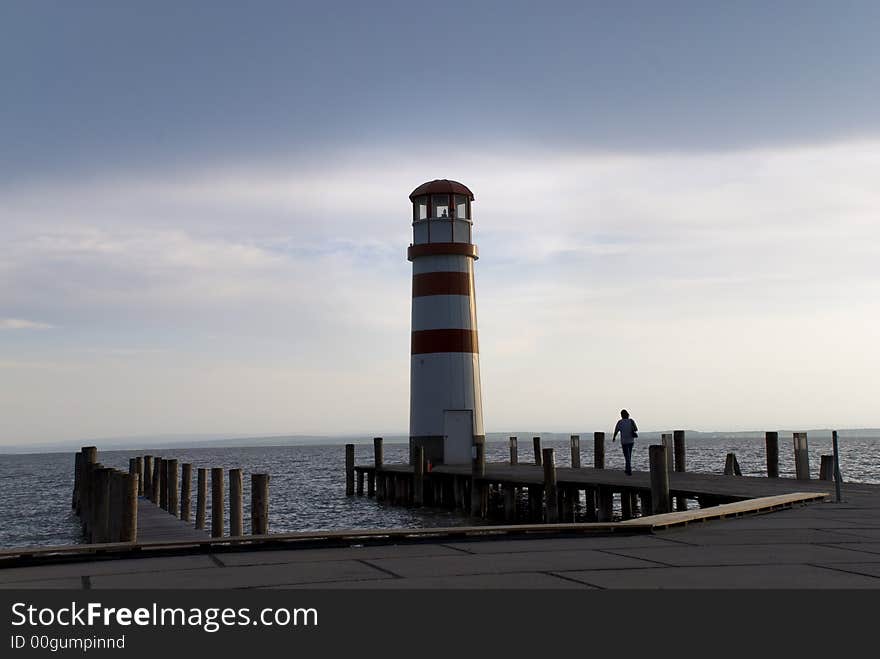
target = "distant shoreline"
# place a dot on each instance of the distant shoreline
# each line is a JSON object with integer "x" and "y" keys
{"x": 201, "y": 442}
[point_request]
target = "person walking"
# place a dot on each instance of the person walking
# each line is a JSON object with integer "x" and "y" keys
{"x": 628, "y": 433}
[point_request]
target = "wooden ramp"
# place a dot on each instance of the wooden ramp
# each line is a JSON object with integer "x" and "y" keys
{"x": 157, "y": 525}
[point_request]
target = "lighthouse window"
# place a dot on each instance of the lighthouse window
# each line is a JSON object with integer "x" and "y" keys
{"x": 461, "y": 206}
{"x": 420, "y": 208}
{"x": 441, "y": 205}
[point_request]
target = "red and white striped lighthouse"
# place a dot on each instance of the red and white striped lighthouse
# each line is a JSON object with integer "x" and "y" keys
{"x": 446, "y": 409}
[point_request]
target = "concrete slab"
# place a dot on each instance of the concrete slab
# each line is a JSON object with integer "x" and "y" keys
{"x": 865, "y": 533}
{"x": 751, "y": 576}
{"x": 775, "y": 554}
{"x": 867, "y": 547}
{"x": 41, "y": 584}
{"x": 113, "y": 566}
{"x": 558, "y": 544}
{"x": 334, "y": 554}
{"x": 243, "y": 577}
{"x": 772, "y": 521}
{"x": 735, "y": 536}
{"x": 437, "y": 566}
{"x": 518, "y": 580}
{"x": 865, "y": 569}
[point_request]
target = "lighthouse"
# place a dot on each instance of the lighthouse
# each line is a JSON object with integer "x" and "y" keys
{"x": 446, "y": 409}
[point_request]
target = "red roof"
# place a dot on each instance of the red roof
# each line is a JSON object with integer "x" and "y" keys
{"x": 441, "y": 186}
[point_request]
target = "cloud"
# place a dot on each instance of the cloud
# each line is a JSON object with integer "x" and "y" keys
{"x": 22, "y": 324}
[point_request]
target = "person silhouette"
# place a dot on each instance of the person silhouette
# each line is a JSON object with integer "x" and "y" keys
{"x": 628, "y": 432}
{"x": 444, "y": 213}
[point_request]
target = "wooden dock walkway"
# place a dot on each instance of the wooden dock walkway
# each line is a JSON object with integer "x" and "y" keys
{"x": 157, "y": 525}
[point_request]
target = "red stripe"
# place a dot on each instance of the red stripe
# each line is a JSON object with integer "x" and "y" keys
{"x": 444, "y": 340}
{"x": 441, "y": 283}
{"x": 434, "y": 249}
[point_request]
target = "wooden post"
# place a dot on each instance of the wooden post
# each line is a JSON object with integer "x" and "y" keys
{"x": 172, "y": 476}
{"x": 201, "y": 497}
{"x": 645, "y": 501}
{"x": 235, "y": 503}
{"x": 478, "y": 471}
{"x": 626, "y": 510}
{"x": 115, "y": 509}
{"x": 163, "y": 483}
{"x": 349, "y": 469}
{"x": 604, "y": 503}
{"x": 509, "y": 502}
{"x": 599, "y": 450}
{"x": 826, "y": 468}
{"x": 77, "y": 480}
{"x": 371, "y": 483}
{"x": 514, "y": 451}
{"x": 154, "y": 490}
{"x": 590, "y": 504}
{"x": 680, "y": 463}
{"x": 217, "y": 502}
{"x": 834, "y": 448}
{"x": 378, "y": 454}
{"x": 634, "y": 502}
{"x": 419, "y": 476}
{"x": 659, "y": 479}
{"x": 259, "y": 504}
{"x": 772, "y": 440}
{"x": 551, "y": 492}
{"x": 731, "y": 466}
{"x": 186, "y": 471}
{"x": 666, "y": 438}
{"x": 148, "y": 477}
{"x": 360, "y": 483}
{"x": 89, "y": 457}
{"x": 101, "y": 531}
{"x": 536, "y": 444}
{"x": 801, "y": 456}
{"x": 576, "y": 451}
{"x": 130, "y": 489}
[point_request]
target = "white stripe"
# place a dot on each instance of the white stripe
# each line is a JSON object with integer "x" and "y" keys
{"x": 442, "y": 263}
{"x": 442, "y": 312}
{"x": 443, "y": 381}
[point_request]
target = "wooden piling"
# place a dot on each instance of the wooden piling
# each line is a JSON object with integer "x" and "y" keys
{"x": 678, "y": 440}
{"x": 604, "y": 503}
{"x": 514, "y": 451}
{"x": 186, "y": 491}
{"x": 626, "y": 511}
{"x": 148, "y": 477}
{"x": 139, "y": 470}
{"x": 478, "y": 471}
{"x": 731, "y": 466}
{"x": 378, "y": 453}
{"x": 771, "y": 438}
{"x": 590, "y": 505}
{"x": 77, "y": 480}
{"x": 172, "y": 477}
{"x": 666, "y": 439}
{"x": 163, "y": 483}
{"x": 217, "y": 502}
{"x": 599, "y": 450}
{"x": 835, "y": 448}
{"x": 801, "y": 456}
{"x": 88, "y": 457}
{"x": 419, "y": 476}
{"x": 114, "y": 510}
{"x": 536, "y": 445}
{"x": 101, "y": 503}
{"x": 509, "y": 502}
{"x": 235, "y": 503}
{"x": 360, "y": 483}
{"x": 349, "y": 469}
{"x": 259, "y": 504}
{"x": 659, "y": 479}
{"x": 130, "y": 490}
{"x": 551, "y": 492}
{"x": 371, "y": 483}
{"x": 201, "y": 497}
{"x": 826, "y": 468}
{"x": 645, "y": 501}
{"x": 576, "y": 451}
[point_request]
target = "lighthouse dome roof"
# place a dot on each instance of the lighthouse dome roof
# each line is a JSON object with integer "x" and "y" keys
{"x": 442, "y": 186}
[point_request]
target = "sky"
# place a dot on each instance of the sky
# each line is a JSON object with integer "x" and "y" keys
{"x": 204, "y": 212}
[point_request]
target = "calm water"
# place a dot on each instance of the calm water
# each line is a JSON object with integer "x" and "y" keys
{"x": 307, "y": 490}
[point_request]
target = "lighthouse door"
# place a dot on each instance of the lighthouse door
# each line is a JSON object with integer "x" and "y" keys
{"x": 458, "y": 431}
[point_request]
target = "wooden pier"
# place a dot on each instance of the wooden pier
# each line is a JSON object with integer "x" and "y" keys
{"x": 541, "y": 492}
{"x": 153, "y": 501}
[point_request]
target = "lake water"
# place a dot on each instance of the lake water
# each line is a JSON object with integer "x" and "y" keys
{"x": 307, "y": 490}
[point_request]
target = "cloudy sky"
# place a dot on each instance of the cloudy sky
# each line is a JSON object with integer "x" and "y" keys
{"x": 204, "y": 212}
